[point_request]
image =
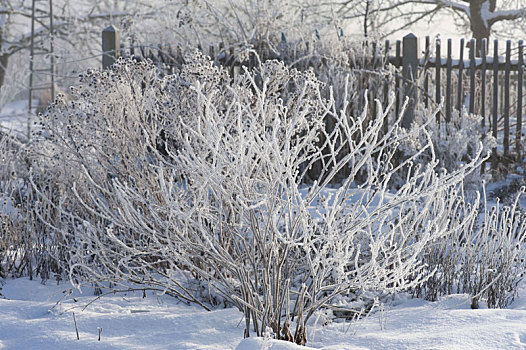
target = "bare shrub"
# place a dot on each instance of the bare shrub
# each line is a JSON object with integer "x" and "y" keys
{"x": 486, "y": 260}
{"x": 200, "y": 174}
{"x": 455, "y": 142}
{"x": 23, "y": 250}
{"x": 11, "y": 237}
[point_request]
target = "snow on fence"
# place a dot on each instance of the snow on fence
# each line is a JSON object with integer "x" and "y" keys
{"x": 490, "y": 86}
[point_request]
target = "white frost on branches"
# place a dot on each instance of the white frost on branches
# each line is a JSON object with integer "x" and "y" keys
{"x": 198, "y": 173}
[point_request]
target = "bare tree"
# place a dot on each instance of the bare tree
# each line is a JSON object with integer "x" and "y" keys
{"x": 233, "y": 22}
{"x": 74, "y": 21}
{"x": 479, "y": 16}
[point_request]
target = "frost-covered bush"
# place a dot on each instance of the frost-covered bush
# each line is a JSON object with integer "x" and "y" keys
{"x": 485, "y": 260}
{"x": 101, "y": 135}
{"x": 455, "y": 143}
{"x": 24, "y": 245}
{"x": 350, "y": 71}
{"x": 198, "y": 174}
{"x": 242, "y": 32}
{"x": 347, "y": 69}
{"x": 10, "y": 232}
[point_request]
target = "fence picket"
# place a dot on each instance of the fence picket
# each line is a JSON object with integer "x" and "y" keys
{"x": 520, "y": 81}
{"x": 385, "y": 125}
{"x": 495, "y": 95}
{"x": 460, "y": 72}
{"x": 160, "y": 53}
{"x": 506, "y": 142}
{"x": 426, "y": 72}
{"x": 110, "y": 46}
{"x": 448, "y": 82}
{"x": 375, "y": 67}
{"x": 409, "y": 72}
{"x": 472, "y": 76}
{"x": 397, "y": 79}
{"x": 483, "y": 82}
{"x": 438, "y": 65}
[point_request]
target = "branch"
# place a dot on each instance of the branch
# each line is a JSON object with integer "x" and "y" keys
{"x": 506, "y": 15}
{"x": 408, "y": 24}
{"x": 437, "y": 3}
{"x": 22, "y": 42}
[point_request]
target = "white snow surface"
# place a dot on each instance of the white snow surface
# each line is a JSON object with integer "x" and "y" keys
{"x": 14, "y": 117}
{"x": 30, "y": 318}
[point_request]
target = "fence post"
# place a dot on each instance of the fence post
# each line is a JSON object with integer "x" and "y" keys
{"x": 110, "y": 46}
{"x": 507, "y": 68}
{"x": 409, "y": 72}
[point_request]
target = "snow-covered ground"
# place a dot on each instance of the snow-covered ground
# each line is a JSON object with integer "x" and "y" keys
{"x": 14, "y": 116}
{"x": 30, "y": 318}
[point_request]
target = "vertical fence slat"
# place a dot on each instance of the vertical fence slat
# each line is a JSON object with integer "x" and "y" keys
{"x": 448, "y": 82}
{"x": 160, "y": 53}
{"x": 507, "y": 68}
{"x": 495, "y": 94}
{"x": 132, "y": 47}
{"x": 460, "y": 72}
{"x": 386, "y": 90}
{"x": 483, "y": 83}
{"x": 375, "y": 68}
{"x": 472, "y": 76}
{"x": 520, "y": 81}
{"x": 426, "y": 77}
{"x": 438, "y": 65}
{"x": 170, "y": 56}
{"x": 483, "y": 53}
{"x": 409, "y": 72}
{"x": 397, "y": 79}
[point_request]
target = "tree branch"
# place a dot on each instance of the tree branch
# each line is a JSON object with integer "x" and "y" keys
{"x": 438, "y": 3}
{"x": 506, "y": 15}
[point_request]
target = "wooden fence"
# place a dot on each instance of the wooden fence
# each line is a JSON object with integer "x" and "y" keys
{"x": 488, "y": 85}
{"x": 491, "y": 86}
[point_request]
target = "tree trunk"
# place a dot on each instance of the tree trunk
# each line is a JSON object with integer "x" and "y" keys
{"x": 479, "y": 27}
{"x": 3, "y": 68}
{"x": 3, "y": 57}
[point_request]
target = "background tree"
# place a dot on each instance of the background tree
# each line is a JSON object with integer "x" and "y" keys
{"x": 77, "y": 26}
{"x": 191, "y": 23}
{"x": 480, "y": 17}
{"x": 188, "y": 23}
